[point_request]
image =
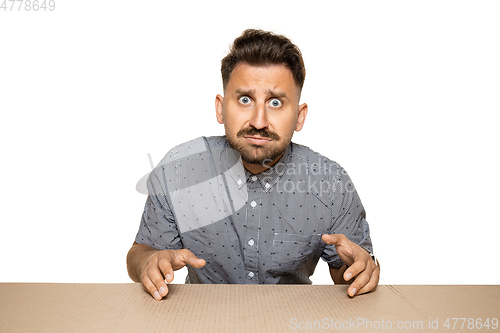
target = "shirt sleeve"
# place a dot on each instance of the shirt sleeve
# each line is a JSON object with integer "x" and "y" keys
{"x": 158, "y": 228}
{"x": 348, "y": 217}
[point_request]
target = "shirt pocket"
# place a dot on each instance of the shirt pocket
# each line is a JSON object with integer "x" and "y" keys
{"x": 291, "y": 251}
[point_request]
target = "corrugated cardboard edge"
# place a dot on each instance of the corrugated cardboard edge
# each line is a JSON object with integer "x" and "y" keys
{"x": 239, "y": 308}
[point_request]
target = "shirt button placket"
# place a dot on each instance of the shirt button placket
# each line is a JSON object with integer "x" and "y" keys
{"x": 252, "y": 231}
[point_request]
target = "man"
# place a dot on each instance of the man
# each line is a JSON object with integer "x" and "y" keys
{"x": 251, "y": 206}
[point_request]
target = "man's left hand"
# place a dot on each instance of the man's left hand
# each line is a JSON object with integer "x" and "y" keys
{"x": 361, "y": 266}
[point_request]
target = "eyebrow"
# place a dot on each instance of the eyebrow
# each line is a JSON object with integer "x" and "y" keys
{"x": 269, "y": 92}
{"x": 280, "y": 93}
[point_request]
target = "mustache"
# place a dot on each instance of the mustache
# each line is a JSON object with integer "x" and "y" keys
{"x": 262, "y": 132}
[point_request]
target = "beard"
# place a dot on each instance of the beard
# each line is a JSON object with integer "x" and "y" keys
{"x": 259, "y": 154}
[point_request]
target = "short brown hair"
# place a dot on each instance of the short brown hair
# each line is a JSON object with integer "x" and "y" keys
{"x": 258, "y": 48}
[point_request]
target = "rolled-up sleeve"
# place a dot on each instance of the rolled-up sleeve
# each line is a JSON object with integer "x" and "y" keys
{"x": 158, "y": 228}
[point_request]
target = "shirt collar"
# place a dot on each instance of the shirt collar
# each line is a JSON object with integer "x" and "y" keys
{"x": 271, "y": 176}
{"x": 234, "y": 166}
{"x": 241, "y": 175}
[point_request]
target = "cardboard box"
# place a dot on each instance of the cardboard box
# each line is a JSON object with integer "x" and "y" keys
{"x": 27, "y": 307}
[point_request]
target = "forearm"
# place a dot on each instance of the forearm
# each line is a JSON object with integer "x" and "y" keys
{"x": 136, "y": 257}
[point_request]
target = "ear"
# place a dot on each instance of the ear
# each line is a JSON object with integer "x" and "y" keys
{"x": 302, "y": 117}
{"x": 218, "y": 108}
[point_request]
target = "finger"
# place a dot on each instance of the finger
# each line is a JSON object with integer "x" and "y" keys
{"x": 150, "y": 287}
{"x": 186, "y": 257}
{"x": 166, "y": 268}
{"x": 362, "y": 280}
{"x": 155, "y": 275}
{"x": 372, "y": 284}
{"x": 353, "y": 270}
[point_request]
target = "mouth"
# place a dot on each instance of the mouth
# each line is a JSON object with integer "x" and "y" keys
{"x": 257, "y": 140}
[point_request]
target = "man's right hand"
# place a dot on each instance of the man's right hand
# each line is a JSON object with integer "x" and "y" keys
{"x": 156, "y": 268}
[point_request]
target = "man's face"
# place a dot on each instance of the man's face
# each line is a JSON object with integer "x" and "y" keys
{"x": 260, "y": 111}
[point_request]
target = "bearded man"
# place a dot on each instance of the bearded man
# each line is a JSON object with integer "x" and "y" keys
{"x": 252, "y": 207}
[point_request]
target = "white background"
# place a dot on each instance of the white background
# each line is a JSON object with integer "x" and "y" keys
{"x": 403, "y": 94}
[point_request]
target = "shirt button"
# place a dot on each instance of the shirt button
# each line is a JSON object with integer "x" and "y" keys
{"x": 253, "y": 204}
{"x": 254, "y": 178}
{"x": 239, "y": 182}
{"x": 251, "y": 242}
{"x": 251, "y": 274}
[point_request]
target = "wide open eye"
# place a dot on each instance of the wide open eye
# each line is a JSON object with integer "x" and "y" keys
{"x": 275, "y": 103}
{"x": 245, "y": 100}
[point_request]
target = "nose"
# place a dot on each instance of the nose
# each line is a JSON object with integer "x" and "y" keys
{"x": 259, "y": 117}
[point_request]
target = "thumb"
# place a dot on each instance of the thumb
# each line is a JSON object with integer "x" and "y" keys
{"x": 343, "y": 246}
{"x": 332, "y": 239}
{"x": 188, "y": 258}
